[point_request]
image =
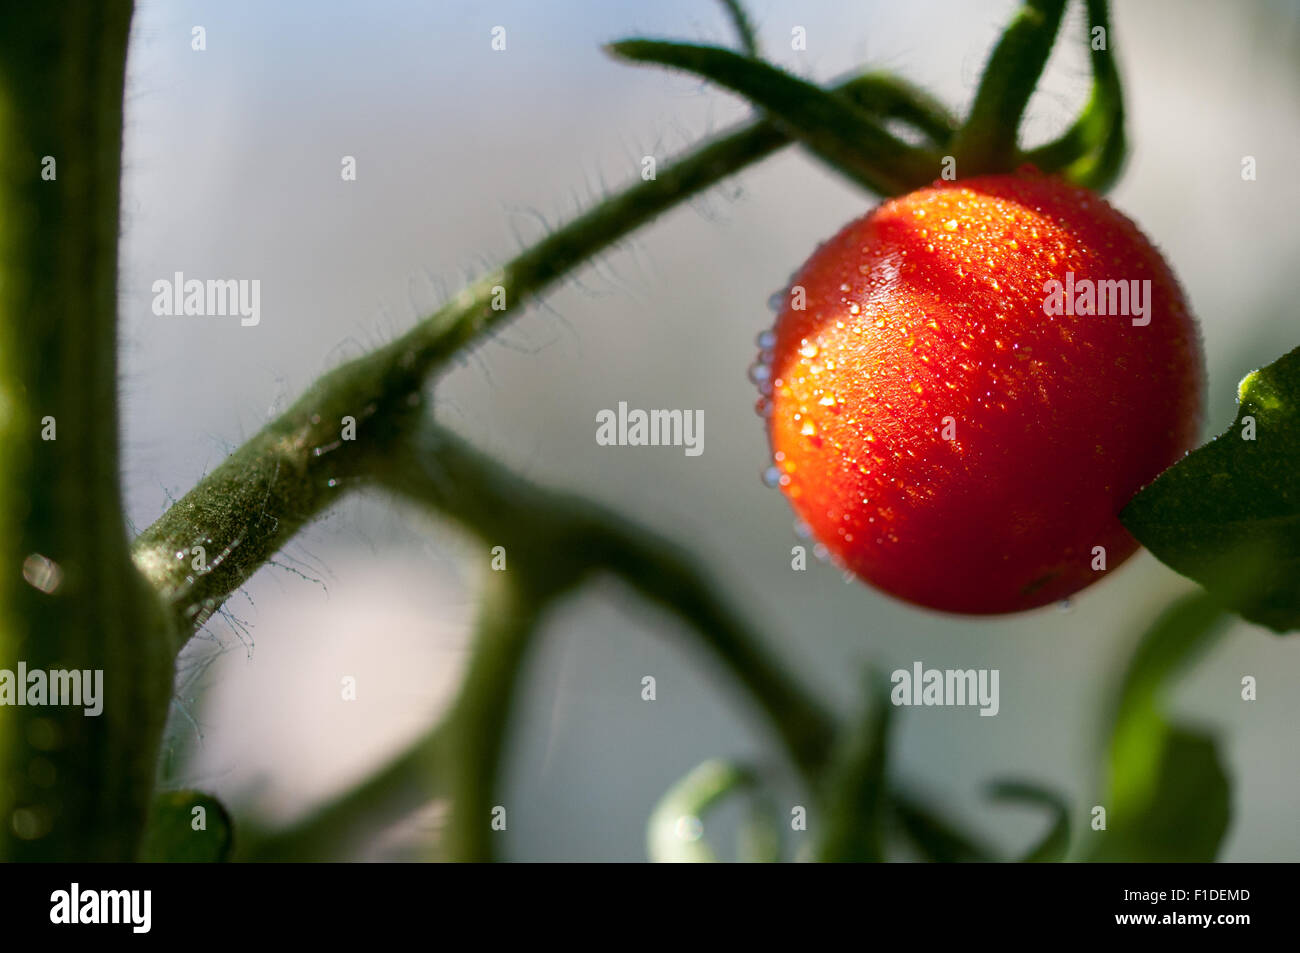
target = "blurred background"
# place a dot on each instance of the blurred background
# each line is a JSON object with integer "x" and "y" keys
{"x": 464, "y": 155}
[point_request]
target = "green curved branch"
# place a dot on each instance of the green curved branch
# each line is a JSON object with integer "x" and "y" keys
{"x": 553, "y": 541}
{"x": 690, "y": 799}
{"x": 561, "y": 537}
{"x": 1092, "y": 151}
{"x": 744, "y": 29}
{"x": 987, "y": 141}
{"x": 283, "y": 477}
{"x": 889, "y": 97}
{"x": 1054, "y": 844}
{"x": 509, "y": 612}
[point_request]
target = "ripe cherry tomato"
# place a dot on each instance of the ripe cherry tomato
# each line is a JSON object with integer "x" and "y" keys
{"x": 948, "y": 418}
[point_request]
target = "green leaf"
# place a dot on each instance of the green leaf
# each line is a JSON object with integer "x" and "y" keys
{"x": 1186, "y": 819}
{"x": 1168, "y": 796}
{"x": 759, "y": 841}
{"x": 1228, "y": 514}
{"x": 187, "y": 827}
{"x": 840, "y": 133}
{"x": 1055, "y": 843}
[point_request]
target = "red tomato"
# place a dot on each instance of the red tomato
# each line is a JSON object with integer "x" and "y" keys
{"x": 954, "y": 430}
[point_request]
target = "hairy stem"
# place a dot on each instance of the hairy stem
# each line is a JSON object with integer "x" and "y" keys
{"x": 1092, "y": 151}
{"x": 987, "y": 141}
{"x": 258, "y": 499}
{"x": 73, "y": 786}
{"x": 841, "y": 134}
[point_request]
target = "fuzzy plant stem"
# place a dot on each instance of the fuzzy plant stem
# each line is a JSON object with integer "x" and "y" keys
{"x": 73, "y": 786}
{"x": 987, "y": 140}
{"x": 215, "y": 537}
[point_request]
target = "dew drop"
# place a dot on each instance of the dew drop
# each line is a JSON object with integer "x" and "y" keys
{"x": 42, "y": 573}
{"x": 766, "y": 340}
{"x": 688, "y": 828}
{"x": 771, "y": 477}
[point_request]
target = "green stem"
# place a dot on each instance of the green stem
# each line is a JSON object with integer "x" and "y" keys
{"x": 557, "y": 537}
{"x": 72, "y": 786}
{"x": 1093, "y": 149}
{"x": 987, "y": 142}
{"x": 269, "y": 488}
{"x": 552, "y": 540}
{"x": 744, "y": 29}
{"x": 887, "y": 96}
{"x": 705, "y": 786}
{"x": 508, "y": 616}
{"x": 844, "y": 136}
{"x": 856, "y": 787}
{"x": 346, "y": 823}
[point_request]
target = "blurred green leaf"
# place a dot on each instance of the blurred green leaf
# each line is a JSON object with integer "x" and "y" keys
{"x": 839, "y": 132}
{"x": 760, "y": 835}
{"x": 187, "y": 827}
{"x": 1168, "y": 796}
{"x": 936, "y": 839}
{"x": 1055, "y": 843}
{"x": 1188, "y": 815}
{"x": 856, "y": 801}
{"x": 1228, "y": 514}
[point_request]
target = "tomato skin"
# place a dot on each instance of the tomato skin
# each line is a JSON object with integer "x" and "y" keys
{"x": 924, "y": 320}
